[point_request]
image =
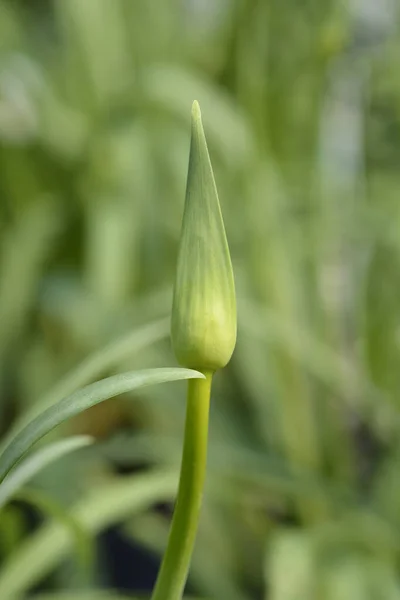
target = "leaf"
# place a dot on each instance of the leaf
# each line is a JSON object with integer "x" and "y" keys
{"x": 102, "y": 507}
{"x": 38, "y": 461}
{"x": 81, "y": 400}
{"x": 91, "y": 367}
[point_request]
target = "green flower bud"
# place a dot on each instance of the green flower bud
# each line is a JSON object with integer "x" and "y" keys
{"x": 204, "y": 306}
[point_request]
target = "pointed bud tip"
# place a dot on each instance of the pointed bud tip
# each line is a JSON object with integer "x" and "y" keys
{"x": 196, "y": 112}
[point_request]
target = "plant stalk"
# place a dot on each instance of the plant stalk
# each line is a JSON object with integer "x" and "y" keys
{"x": 175, "y": 565}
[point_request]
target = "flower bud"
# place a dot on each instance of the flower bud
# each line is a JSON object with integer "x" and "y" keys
{"x": 204, "y": 305}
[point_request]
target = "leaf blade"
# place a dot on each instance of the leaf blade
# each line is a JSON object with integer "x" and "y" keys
{"x": 38, "y": 461}
{"x": 90, "y": 368}
{"x": 81, "y": 400}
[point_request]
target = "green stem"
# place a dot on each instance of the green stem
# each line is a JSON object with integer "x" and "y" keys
{"x": 175, "y": 566}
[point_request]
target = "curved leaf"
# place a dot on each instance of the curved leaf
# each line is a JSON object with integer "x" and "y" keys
{"x": 81, "y": 400}
{"x": 91, "y": 367}
{"x": 38, "y": 461}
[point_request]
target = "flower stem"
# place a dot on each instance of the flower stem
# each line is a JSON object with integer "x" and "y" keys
{"x": 175, "y": 566}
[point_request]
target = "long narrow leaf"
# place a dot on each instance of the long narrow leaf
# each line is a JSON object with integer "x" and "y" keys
{"x": 90, "y": 368}
{"x": 38, "y": 461}
{"x": 81, "y": 400}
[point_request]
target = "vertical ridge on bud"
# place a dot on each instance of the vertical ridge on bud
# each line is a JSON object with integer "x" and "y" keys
{"x": 204, "y": 305}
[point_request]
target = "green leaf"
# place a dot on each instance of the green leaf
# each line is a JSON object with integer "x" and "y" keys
{"x": 91, "y": 367}
{"x": 38, "y": 461}
{"x": 81, "y": 400}
{"x": 102, "y": 507}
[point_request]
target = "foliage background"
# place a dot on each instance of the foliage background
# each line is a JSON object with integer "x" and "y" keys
{"x": 301, "y": 107}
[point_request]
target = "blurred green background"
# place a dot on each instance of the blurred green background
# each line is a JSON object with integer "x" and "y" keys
{"x": 301, "y": 108}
